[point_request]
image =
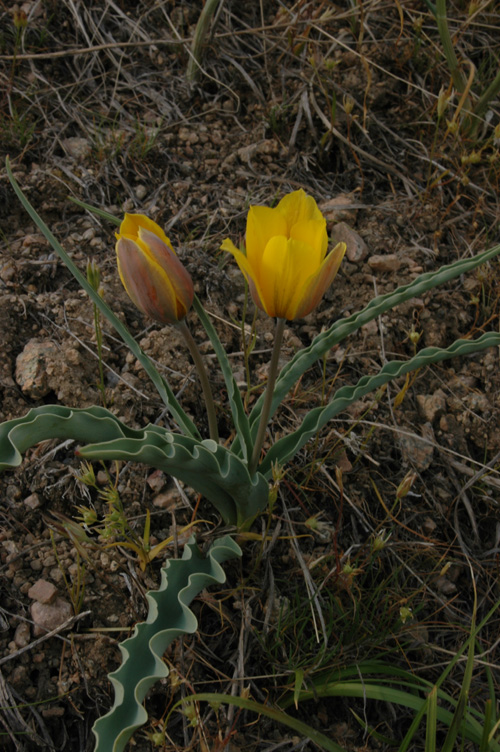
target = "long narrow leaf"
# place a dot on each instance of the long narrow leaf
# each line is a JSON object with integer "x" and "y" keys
{"x": 451, "y": 736}
{"x": 184, "y": 422}
{"x": 408, "y": 738}
{"x": 98, "y": 212}
{"x": 275, "y": 714}
{"x": 471, "y": 729}
{"x": 289, "y": 445}
{"x": 240, "y": 419}
{"x": 321, "y": 344}
{"x": 430, "y": 730}
{"x": 483, "y": 747}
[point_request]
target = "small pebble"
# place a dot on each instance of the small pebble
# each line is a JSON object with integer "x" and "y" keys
{"x": 386, "y": 263}
{"x": 48, "y": 616}
{"x": 22, "y": 635}
{"x": 43, "y": 592}
{"x": 357, "y": 250}
{"x": 32, "y": 501}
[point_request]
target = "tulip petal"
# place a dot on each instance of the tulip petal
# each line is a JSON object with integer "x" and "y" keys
{"x": 176, "y": 272}
{"x": 272, "y": 277}
{"x": 285, "y": 264}
{"x": 248, "y": 272}
{"x": 147, "y": 284}
{"x": 132, "y": 224}
{"x": 299, "y": 207}
{"x": 315, "y": 287}
{"x": 313, "y": 233}
{"x": 263, "y": 223}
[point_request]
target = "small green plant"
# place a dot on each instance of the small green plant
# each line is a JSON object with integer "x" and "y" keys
{"x": 17, "y": 129}
{"x": 376, "y": 680}
{"x": 143, "y": 141}
{"x": 473, "y": 110}
{"x": 75, "y": 589}
{"x": 199, "y": 39}
{"x": 113, "y": 528}
{"x": 288, "y": 268}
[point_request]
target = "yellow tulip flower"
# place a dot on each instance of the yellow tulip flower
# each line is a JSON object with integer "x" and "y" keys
{"x": 154, "y": 278}
{"x": 286, "y": 263}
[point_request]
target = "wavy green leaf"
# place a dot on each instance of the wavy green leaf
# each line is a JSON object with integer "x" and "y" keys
{"x": 321, "y": 344}
{"x": 206, "y": 466}
{"x": 168, "y": 617}
{"x": 289, "y": 445}
{"x": 183, "y": 421}
{"x": 240, "y": 418}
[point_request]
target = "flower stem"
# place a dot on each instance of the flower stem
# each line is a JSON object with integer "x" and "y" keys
{"x": 202, "y": 375}
{"x": 266, "y": 407}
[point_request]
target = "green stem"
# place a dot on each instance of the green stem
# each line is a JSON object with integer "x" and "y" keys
{"x": 98, "y": 336}
{"x": 202, "y": 375}
{"x": 266, "y": 408}
{"x": 448, "y": 48}
{"x": 487, "y": 96}
{"x": 193, "y": 67}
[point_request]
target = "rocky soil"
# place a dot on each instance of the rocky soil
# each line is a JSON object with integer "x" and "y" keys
{"x": 342, "y": 103}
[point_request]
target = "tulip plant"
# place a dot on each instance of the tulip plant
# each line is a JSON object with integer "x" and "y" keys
{"x": 288, "y": 269}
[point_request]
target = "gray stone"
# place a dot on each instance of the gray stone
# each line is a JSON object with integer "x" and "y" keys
{"x": 431, "y": 405}
{"x": 357, "y": 250}
{"x": 387, "y": 263}
{"x": 22, "y": 635}
{"x": 78, "y": 148}
{"x": 31, "y": 367}
{"x": 42, "y": 591}
{"x": 48, "y": 616}
{"x": 32, "y": 501}
{"x": 339, "y": 208}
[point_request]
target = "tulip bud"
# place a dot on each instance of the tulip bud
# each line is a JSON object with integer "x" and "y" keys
{"x": 414, "y": 336}
{"x": 154, "y": 278}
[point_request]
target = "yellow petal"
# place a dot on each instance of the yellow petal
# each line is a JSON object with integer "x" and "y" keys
{"x": 248, "y": 272}
{"x": 315, "y": 287}
{"x": 263, "y": 223}
{"x": 228, "y": 245}
{"x": 132, "y": 224}
{"x": 298, "y": 207}
{"x": 313, "y": 233}
{"x": 285, "y": 265}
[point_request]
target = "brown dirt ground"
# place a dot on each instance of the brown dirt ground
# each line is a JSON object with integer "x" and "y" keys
{"x": 256, "y": 124}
